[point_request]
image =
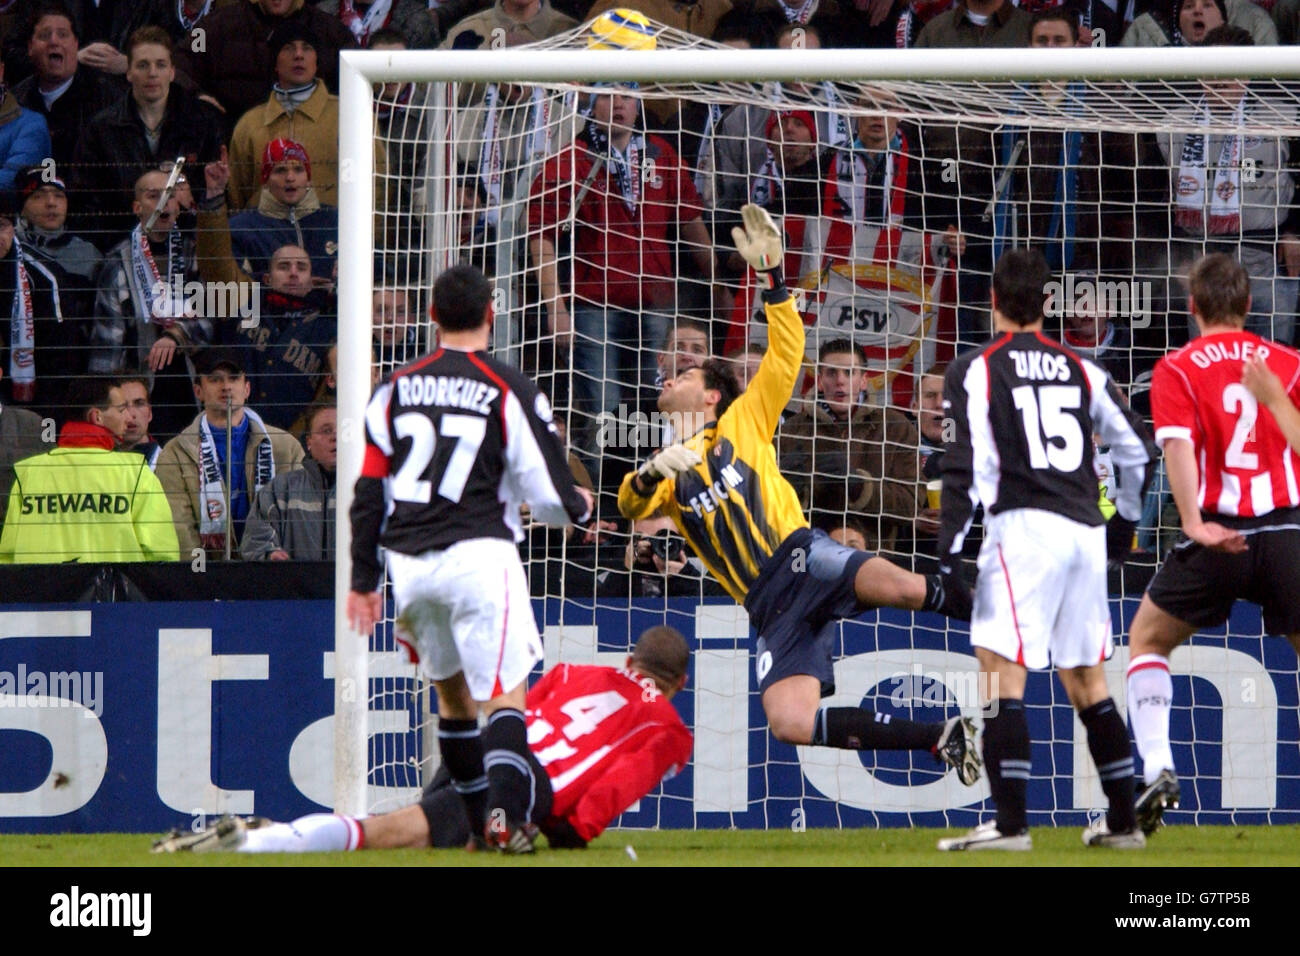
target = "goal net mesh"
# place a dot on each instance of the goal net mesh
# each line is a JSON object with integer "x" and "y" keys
{"x": 602, "y": 215}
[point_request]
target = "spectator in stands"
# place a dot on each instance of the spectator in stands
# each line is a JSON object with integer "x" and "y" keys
{"x": 66, "y": 94}
{"x": 806, "y": 14}
{"x": 686, "y": 346}
{"x": 24, "y": 137}
{"x": 105, "y": 28}
{"x": 155, "y": 121}
{"x": 659, "y": 564}
{"x": 288, "y": 213}
{"x": 927, "y": 407}
{"x": 40, "y": 351}
{"x": 135, "y": 390}
{"x": 512, "y": 21}
{"x": 42, "y": 230}
{"x": 365, "y": 18}
{"x": 745, "y": 360}
{"x": 193, "y": 466}
{"x": 1053, "y": 181}
{"x": 22, "y": 434}
{"x": 236, "y": 64}
{"x": 844, "y": 529}
{"x": 292, "y": 518}
{"x": 845, "y": 455}
{"x": 624, "y": 270}
{"x": 84, "y": 501}
{"x": 145, "y": 316}
{"x": 977, "y": 23}
{"x": 401, "y": 124}
{"x": 699, "y": 17}
{"x": 1188, "y": 22}
{"x": 188, "y": 16}
{"x": 300, "y": 109}
{"x": 397, "y": 335}
{"x": 285, "y": 349}
{"x": 1091, "y": 328}
{"x": 1236, "y": 195}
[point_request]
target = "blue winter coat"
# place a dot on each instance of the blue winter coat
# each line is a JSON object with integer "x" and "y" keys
{"x": 24, "y": 140}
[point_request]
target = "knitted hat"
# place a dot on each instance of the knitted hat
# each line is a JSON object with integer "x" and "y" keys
{"x": 804, "y": 116}
{"x": 278, "y": 150}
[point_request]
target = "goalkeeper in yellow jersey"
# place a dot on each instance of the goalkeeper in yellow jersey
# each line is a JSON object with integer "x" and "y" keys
{"x": 722, "y": 489}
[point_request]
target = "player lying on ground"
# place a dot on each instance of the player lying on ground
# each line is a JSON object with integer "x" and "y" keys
{"x": 1233, "y": 478}
{"x": 1024, "y": 410}
{"x": 722, "y": 489}
{"x": 456, "y": 442}
{"x": 606, "y": 738}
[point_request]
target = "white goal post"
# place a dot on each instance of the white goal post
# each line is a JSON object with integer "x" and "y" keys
{"x": 973, "y": 85}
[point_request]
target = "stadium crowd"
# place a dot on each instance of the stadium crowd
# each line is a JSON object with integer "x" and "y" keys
{"x": 169, "y": 183}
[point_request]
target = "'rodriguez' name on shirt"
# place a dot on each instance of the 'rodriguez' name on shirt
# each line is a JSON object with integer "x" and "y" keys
{"x": 449, "y": 392}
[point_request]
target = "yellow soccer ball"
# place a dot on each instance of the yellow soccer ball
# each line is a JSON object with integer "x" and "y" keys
{"x": 621, "y": 29}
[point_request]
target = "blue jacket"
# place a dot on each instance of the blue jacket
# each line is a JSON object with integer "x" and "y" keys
{"x": 256, "y": 233}
{"x": 24, "y": 140}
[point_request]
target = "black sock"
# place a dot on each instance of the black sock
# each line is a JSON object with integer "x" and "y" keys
{"x": 511, "y": 789}
{"x": 1006, "y": 761}
{"x": 1109, "y": 746}
{"x": 462, "y": 754}
{"x": 858, "y": 728}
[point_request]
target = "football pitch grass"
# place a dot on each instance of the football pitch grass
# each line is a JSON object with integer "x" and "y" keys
{"x": 1175, "y": 846}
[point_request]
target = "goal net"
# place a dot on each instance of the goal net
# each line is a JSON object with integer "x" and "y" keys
{"x": 597, "y": 189}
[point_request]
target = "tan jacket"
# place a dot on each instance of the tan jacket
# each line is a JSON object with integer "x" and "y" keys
{"x": 314, "y": 124}
{"x": 865, "y": 464}
{"x": 178, "y": 470}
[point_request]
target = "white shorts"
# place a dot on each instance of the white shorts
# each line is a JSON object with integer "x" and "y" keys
{"x": 1040, "y": 599}
{"x": 468, "y": 609}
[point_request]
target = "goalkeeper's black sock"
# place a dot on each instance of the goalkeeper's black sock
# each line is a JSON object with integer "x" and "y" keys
{"x": 1006, "y": 760}
{"x": 858, "y": 728}
{"x": 511, "y": 788}
{"x": 462, "y": 754}
{"x": 1109, "y": 746}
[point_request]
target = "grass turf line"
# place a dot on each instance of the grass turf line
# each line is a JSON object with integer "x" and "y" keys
{"x": 1173, "y": 846}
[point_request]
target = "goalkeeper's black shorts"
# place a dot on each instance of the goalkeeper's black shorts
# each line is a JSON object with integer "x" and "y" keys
{"x": 801, "y": 592}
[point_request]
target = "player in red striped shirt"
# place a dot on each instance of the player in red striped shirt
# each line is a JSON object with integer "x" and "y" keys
{"x": 1234, "y": 480}
{"x": 605, "y": 736}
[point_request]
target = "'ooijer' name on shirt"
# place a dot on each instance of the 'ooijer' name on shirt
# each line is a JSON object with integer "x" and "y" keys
{"x": 1205, "y": 355}
{"x": 451, "y": 392}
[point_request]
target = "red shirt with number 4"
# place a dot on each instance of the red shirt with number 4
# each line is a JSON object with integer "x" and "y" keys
{"x": 1246, "y": 467}
{"x": 606, "y": 737}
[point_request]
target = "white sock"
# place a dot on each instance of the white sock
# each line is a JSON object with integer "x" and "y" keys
{"x": 1150, "y": 696}
{"x": 315, "y": 833}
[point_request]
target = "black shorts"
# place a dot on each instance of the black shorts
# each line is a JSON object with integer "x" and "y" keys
{"x": 1198, "y": 586}
{"x": 445, "y": 810}
{"x": 800, "y": 594}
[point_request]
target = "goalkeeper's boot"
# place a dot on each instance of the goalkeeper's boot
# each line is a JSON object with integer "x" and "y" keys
{"x": 1162, "y": 795}
{"x": 956, "y": 748}
{"x": 1098, "y": 833}
{"x": 986, "y": 836}
{"x": 516, "y": 839}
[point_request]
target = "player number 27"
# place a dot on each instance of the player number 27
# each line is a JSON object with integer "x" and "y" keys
{"x": 1045, "y": 411}
{"x": 584, "y": 713}
{"x": 468, "y": 430}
